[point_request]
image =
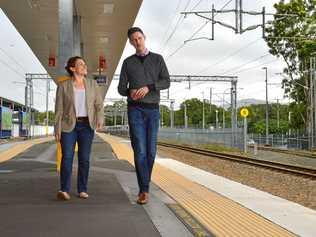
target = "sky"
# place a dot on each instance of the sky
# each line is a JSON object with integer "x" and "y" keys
{"x": 166, "y": 31}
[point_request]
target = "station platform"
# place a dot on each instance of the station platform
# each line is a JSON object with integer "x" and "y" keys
{"x": 184, "y": 201}
{"x": 29, "y": 207}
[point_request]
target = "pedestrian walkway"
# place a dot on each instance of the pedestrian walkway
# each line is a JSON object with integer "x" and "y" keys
{"x": 28, "y": 204}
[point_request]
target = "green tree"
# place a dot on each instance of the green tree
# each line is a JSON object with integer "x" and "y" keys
{"x": 40, "y": 118}
{"x": 118, "y": 110}
{"x": 195, "y": 113}
{"x": 256, "y": 118}
{"x": 293, "y": 39}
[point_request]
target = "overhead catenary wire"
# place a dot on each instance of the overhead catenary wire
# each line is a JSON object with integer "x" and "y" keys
{"x": 233, "y": 71}
{"x": 180, "y": 20}
{"x": 191, "y": 38}
{"x": 181, "y": 46}
{"x": 180, "y": 17}
{"x": 12, "y": 69}
{"x": 170, "y": 23}
{"x": 13, "y": 59}
{"x": 196, "y": 5}
{"x": 263, "y": 64}
{"x": 225, "y": 58}
{"x": 244, "y": 64}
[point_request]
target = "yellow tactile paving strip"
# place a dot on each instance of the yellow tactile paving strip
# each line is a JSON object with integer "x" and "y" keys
{"x": 20, "y": 147}
{"x": 221, "y": 216}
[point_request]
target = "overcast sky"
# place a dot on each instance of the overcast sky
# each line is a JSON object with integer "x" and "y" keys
{"x": 166, "y": 30}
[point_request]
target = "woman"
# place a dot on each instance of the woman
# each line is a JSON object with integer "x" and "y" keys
{"x": 78, "y": 111}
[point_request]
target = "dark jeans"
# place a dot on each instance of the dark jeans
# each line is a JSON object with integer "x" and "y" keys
{"x": 143, "y": 127}
{"x": 83, "y": 135}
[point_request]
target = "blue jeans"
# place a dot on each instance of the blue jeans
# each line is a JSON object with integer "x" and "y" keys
{"x": 143, "y": 128}
{"x": 83, "y": 135}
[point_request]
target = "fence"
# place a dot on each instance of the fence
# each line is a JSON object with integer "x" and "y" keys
{"x": 191, "y": 136}
{"x": 282, "y": 141}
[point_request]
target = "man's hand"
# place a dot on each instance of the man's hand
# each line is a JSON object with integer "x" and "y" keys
{"x": 139, "y": 93}
{"x": 132, "y": 93}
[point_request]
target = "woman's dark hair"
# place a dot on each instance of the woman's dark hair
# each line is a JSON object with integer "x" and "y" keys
{"x": 72, "y": 63}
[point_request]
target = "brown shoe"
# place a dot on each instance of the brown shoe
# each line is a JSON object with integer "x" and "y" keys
{"x": 142, "y": 198}
{"x": 83, "y": 195}
{"x": 64, "y": 196}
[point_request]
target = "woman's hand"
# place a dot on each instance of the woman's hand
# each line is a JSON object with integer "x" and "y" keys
{"x": 99, "y": 126}
{"x": 57, "y": 137}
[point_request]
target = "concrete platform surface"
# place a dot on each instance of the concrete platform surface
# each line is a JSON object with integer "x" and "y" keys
{"x": 29, "y": 207}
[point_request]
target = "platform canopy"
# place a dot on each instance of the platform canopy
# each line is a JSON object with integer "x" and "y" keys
{"x": 102, "y": 28}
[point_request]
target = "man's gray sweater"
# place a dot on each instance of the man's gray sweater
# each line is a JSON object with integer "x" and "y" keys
{"x": 138, "y": 72}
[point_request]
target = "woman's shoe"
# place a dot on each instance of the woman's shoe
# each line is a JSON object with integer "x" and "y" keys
{"x": 64, "y": 196}
{"x": 83, "y": 195}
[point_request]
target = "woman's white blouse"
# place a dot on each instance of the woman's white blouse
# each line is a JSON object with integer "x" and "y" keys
{"x": 80, "y": 102}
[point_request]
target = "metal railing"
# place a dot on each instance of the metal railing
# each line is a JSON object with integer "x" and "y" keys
{"x": 191, "y": 136}
{"x": 282, "y": 141}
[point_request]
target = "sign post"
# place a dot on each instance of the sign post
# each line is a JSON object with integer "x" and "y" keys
{"x": 244, "y": 113}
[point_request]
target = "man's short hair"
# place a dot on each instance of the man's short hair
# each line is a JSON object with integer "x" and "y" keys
{"x": 133, "y": 30}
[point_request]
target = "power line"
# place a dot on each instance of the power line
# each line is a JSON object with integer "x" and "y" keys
{"x": 175, "y": 14}
{"x": 196, "y": 5}
{"x": 265, "y": 63}
{"x": 181, "y": 46}
{"x": 191, "y": 38}
{"x": 223, "y": 59}
{"x": 244, "y": 64}
{"x": 176, "y": 26}
{"x": 246, "y": 69}
{"x": 13, "y": 59}
{"x": 225, "y": 5}
{"x": 12, "y": 69}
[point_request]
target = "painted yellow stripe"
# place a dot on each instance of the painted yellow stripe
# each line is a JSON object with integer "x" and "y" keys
{"x": 221, "y": 216}
{"x": 23, "y": 146}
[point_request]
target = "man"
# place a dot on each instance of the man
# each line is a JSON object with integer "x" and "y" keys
{"x": 142, "y": 77}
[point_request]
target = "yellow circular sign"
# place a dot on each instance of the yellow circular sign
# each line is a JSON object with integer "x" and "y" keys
{"x": 244, "y": 112}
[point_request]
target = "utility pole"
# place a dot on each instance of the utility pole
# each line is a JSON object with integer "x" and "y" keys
{"x": 171, "y": 114}
{"x": 29, "y": 99}
{"x": 313, "y": 77}
{"x": 203, "y": 113}
{"x": 115, "y": 113}
{"x": 47, "y": 117}
{"x": 210, "y": 105}
{"x": 238, "y": 12}
{"x": 278, "y": 114}
{"x": 267, "y": 107}
{"x": 223, "y": 110}
{"x": 312, "y": 104}
{"x": 290, "y": 122}
{"x": 185, "y": 116}
{"x": 216, "y": 121}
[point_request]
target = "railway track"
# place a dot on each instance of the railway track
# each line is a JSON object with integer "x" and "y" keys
{"x": 296, "y": 170}
{"x": 291, "y": 152}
